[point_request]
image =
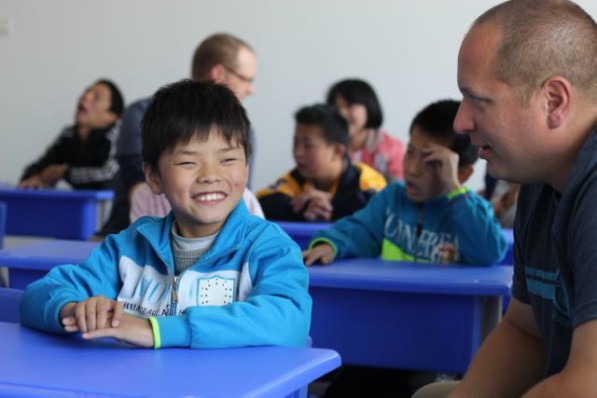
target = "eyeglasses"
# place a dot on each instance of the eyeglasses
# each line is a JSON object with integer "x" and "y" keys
{"x": 242, "y": 77}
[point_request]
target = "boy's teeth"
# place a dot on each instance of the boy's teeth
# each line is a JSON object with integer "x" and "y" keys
{"x": 210, "y": 196}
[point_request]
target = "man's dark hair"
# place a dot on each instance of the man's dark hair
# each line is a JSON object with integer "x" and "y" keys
{"x": 437, "y": 120}
{"x": 333, "y": 125}
{"x": 356, "y": 91}
{"x": 185, "y": 109}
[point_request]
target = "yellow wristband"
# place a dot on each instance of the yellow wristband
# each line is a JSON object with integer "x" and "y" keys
{"x": 157, "y": 343}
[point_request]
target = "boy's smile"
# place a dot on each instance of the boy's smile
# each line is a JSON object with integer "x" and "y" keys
{"x": 203, "y": 180}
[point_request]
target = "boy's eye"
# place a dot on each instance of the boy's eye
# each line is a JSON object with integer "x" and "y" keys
{"x": 185, "y": 163}
{"x": 229, "y": 160}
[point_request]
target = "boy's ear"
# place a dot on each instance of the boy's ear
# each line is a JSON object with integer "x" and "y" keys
{"x": 111, "y": 117}
{"x": 464, "y": 173}
{"x": 558, "y": 92}
{"x": 340, "y": 150}
{"x": 152, "y": 178}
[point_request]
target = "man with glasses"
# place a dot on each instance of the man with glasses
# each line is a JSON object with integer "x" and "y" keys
{"x": 221, "y": 58}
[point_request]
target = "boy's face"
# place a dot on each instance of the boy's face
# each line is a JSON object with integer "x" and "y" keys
{"x": 203, "y": 181}
{"x": 421, "y": 177}
{"x": 314, "y": 157}
{"x": 93, "y": 109}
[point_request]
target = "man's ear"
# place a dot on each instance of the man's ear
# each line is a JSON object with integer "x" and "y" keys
{"x": 464, "y": 173}
{"x": 152, "y": 178}
{"x": 217, "y": 73}
{"x": 557, "y": 91}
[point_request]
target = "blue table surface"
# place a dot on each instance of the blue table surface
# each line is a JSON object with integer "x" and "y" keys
{"x": 39, "y": 364}
{"x": 397, "y": 276}
{"x": 45, "y": 254}
{"x": 357, "y": 273}
{"x": 13, "y": 192}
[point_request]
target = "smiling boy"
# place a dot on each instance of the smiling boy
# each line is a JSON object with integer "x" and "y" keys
{"x": 208, "y": 275}
{"x": 431, "y": 217}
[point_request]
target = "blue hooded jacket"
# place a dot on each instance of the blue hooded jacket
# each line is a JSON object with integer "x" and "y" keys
{"x": 250, "y": 288}
{"x": 458, "y": 227}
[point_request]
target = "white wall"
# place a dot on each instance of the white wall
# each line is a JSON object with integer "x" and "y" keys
{"x": 406, "y": 49}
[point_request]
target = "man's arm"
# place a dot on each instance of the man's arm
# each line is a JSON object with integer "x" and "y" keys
{"x": 579, "y": 376}
{"x": 510, "y": 361}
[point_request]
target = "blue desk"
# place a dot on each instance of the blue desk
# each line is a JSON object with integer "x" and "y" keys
{"x": 35, "y": 364}
{"x": 30, "y": 262}
{"x": 302, "y": 232}
{"x": 405, "y": 315}
{"x": 63, "y": 214}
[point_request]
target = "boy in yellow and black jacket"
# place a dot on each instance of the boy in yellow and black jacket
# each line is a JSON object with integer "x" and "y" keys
{"x": 325, "y": 185}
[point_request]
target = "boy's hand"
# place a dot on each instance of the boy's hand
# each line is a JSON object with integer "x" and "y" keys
{"x": 33, "y": 182}
{"x": 445, "y": 162}
{"x": 131, "y": 329}
{"x": 94, "y": 313}
{"x": 52, "y": 174}
{"x": 315, "y": 205}
{"x": 99, "y": 317}
{"x": 322, "y": 253}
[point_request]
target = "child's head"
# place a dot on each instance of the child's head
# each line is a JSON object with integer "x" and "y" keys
{"x": 320, "y": 143}
{"x": 195, "y": 146}
{"x": 433, "y": 125}
{"x": 100, "y": 105}
{"x": 357, "y": 102}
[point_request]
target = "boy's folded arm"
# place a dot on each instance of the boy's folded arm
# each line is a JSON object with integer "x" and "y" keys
{"x": 277, "y": 310}
{"x": 43, "y": 300}
{"x": 480, "y": 235}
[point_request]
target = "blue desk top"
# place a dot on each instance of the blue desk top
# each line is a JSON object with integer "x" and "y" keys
{"x": 46, "y": 254}
{"x": 396, "y": 276}
{"x": 35, "y": 364}
{"x": 63, "y": 194}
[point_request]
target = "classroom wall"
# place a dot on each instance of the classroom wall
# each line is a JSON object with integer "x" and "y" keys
{"x": 406, "y": 49}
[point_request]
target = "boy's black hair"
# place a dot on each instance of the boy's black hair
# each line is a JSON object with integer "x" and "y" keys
{"x": 333, "y": 125}
{"x": 185, "y": 109}
{"x": 117, "y": 103}
{"x": 437, "y": 120}
{"x": 356, "y": 91}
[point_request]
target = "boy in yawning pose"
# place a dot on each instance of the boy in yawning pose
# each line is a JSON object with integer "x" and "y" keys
{"x": 209, "y": 274}
{"x": 83, "y": 154}
{"x": 431, "y": 217}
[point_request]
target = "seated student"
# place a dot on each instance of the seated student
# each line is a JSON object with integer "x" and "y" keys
{"x": 209, "y": 274}
{"x": 431, "y": 217}
{"x": 145, "y": 203}
{"x": 357, "y": 102}
{"x": 83, "y": 154}
{"x": 325, "y": 185}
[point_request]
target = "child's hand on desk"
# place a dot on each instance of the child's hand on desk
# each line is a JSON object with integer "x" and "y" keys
{"x": 33, "y": 182}
{"x": 322, "y": 253}
{"x": 315, "y": 205}
{"x": 99, "y": 317}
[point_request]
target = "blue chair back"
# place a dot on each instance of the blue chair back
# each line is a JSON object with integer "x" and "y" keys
{"x": 9, "y": 305}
